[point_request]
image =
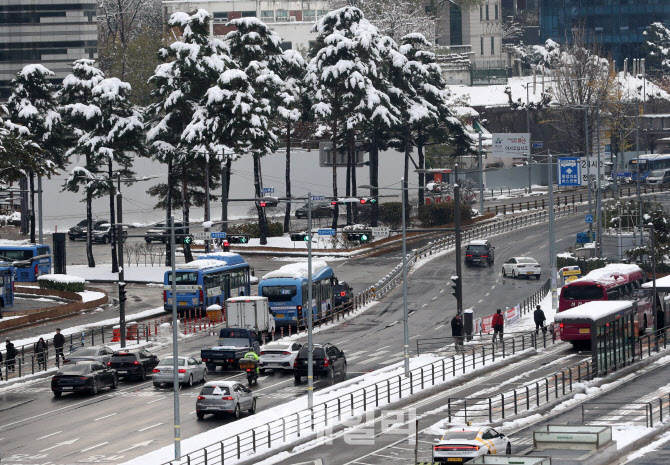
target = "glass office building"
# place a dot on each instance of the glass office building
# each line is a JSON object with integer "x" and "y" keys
{"x": 617, "y": 24}
{"x": 53, "y": 33}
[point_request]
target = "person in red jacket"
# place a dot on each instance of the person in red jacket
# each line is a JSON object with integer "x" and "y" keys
{"x": 498, "y": 322}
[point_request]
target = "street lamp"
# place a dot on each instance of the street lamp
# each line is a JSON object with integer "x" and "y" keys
{"x": 650, "y": 227}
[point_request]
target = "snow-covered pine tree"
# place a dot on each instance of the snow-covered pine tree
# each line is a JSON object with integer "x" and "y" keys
{"x": 344, "y": 76}
{"x": 33, "y": 104}
{"x": 657, "y": 44}
{"x": 257, "y": 50}
{"x": 75, "y": 97}
{"x": 192, "y": 65}
{"x": 293, "y": 103}
{"x": 18, "y": 153}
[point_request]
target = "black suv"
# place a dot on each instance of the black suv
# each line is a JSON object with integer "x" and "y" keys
{"x": 342, "y": 293}
{"x": 156, "y": 234}
{"x": 79, "y": 231}
{"x": 135, "y": 363}
{"x": 103, "y": 233}
{"x": 479, "y": 253}
{"x": 327, "y": 361}
{"x": 318, "y": 211}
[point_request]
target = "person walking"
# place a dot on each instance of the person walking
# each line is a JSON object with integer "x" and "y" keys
{"x": 538, "y": 316}
{"x": 41, "y": 352}
{"x": 457, "y": 331}
{"x": 59, "y": 342}
{"x": 498, "y": 324}
{"x": 11, "y": 354}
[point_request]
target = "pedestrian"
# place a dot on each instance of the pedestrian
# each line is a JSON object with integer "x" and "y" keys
{"x": 498, "y": 323}
{"x": 11, "y": 354}
{"x": 457, "y": 330}
{"x": 539, "y": 318}
{"x": 59, "y": 342}
{"x": 41, "y": 352}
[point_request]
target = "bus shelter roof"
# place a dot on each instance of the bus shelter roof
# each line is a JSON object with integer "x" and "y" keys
{"x": 662, "y": 284}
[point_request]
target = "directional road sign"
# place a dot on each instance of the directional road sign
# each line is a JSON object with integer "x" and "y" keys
{"x": 326, "y": 232}
{"x": 201, "y": 235}
{"x": 218, "y": 235}
{"x": 318, "y": 197}
{"x": 569, "y": 172}
{"x": 268, "y": 190}
{"x": 538, "y": 145}
{"x": 589, "y": 219}
{"x": 380, "y": 232}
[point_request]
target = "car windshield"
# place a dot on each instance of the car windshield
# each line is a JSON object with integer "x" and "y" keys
{"x": 123, "y": 358}
{"x": 279, "y": 293}
{"x": 317, "y": 353}
{"x": 184, "y": 277}
{"x": 82, "y": 369}
{"x": 82, "y": 223}
{"x": 479, "y": 248}
{"x": 102, "y": 227}
{"x": 657, "y": 173}
{"x": 278, "y": 346}
{"x": 169, "y": 361}
{"x": 214, "y": 390}
{"x": 588, "y": 292}
{"x": 470, "y": 435}
{"x": 85, "y": 352}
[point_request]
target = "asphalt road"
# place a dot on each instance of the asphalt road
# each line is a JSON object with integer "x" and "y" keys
{"x": 110, "y": 426}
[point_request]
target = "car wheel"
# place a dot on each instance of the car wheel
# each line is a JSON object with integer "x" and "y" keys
{"x": 115, "y": 382}
{"x": 513, "y": 274}
{"x": 57, "y": 393}
{"x": 200, "y": 415}
{"x": 261, "y": 371}
{"x": 344, "y": 372}
{"x": 537, "y": 277}
{"x": 148, "y": 241}
{"x": 331, "y": 374}
{"x": 105, "y": 240}
{"x": 143, "y": 374}
{"x": 94, "y": 388}
{"x": 252, "y": 410}
{"x": 190, "y": 381}
{"x": 236, "y": 413}
{"x": 508, "y": 450}
{"x": 504, "y": 273}
{"x": 210, "y": 366}
{"x": 204, "y": 376}
{"x": 297, "y": 379}
{"x": 157, "y": 385}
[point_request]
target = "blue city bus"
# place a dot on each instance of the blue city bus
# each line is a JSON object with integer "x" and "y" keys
{"x": 30, "y": 261}
{"x": 648, "y": 163}
{"x": 286, "y": 290}
{"x": 206, "y": 282}
{"x": 6, "y": 285}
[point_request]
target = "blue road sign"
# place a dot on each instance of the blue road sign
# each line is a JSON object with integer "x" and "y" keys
{"x": 569, "y": 172}
{"x": 538, "y": 145}
{"x": 318, "y": 197}
{"x": 218, "y": 235}
{"x": 589, "y": 219}
{"x": 326, "y": 232}
{"x": 268, "y": 190}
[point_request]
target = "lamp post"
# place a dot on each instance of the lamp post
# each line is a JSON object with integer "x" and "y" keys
{"x": 650, "y": 227}
{"x": 175, "y": 347}
{"x": 552, "y": 254}
{"x": 310, "y": 344}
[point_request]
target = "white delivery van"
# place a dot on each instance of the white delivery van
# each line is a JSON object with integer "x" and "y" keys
{"x": 251, "y": 312}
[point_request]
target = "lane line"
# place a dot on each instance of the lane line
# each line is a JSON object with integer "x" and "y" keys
{"x": 106, "y": 416}
{"x": 423, "y": 305}
{"x": 48, "y": 435}
{"x": 93, "y": 447}
{"x": 438, "y": 327}
{"x": 157, "y": 400}
{"x": 149, "y": 427}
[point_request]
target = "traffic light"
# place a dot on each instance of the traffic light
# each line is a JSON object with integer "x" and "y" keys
{"x": 188, "y": 240}
{"x": 122, "y": 292}
{"x": 238, "y": 238}
{"x": 338, "y": 202}
{"x": 368, "y": 200}
{"x": 361, "y": 237}
{"x": 365, "y": 237}
{"x": 456, "y": 288}
{"x": 295, "y": 237}
{"x": 264, "y": 203}
{"x": 226, "y": 246}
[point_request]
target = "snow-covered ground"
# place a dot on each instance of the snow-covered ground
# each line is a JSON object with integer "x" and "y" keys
{"x": 88, "y": 296}
{"x": 103, "y": 272}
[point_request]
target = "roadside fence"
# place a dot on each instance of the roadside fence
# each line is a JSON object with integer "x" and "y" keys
{"x": 637, "y": 413}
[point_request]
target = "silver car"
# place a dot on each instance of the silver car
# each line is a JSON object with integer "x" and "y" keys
{"x": 190, "y": 371}
{"x": 278, "y": 355}
{"x": 225, "y": 397}
{"x": 100, "y": 354}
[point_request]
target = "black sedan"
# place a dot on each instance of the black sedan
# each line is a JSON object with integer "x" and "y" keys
{"x": 83, "y": 376}
{"x": 79, "y": 231}
{"x": 318, "y": 211}
{"x": 327, "y": 361}
{"x": 342, "y": 293}
{"x": 137, "y": 363}
{"x": 100, "y": 354}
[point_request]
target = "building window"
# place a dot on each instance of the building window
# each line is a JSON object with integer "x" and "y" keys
{"x": 248, "y": 14}
{"x": 220, "y": 16}
{"x": 481, "y": 13}
{"x": 455, "y": 25}
{"x": 286, "y": 45}
{"x": 282, "y": 15}
{"x": 487, "y": 11}
{"x": 493, "y": 46}
{"x": 481, "y": 45}
{"x": 268, "y": 15}
{"x": 496, "y": 11}
{"x": 308, "y": 15}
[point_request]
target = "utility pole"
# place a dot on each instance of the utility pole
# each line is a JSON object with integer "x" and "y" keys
{"x": 175, "y": 348}
{"x": 207, "y": 214}
{"x": 405, "y": 315}
{"x": 119, "y": 234}
{"x": 310, "y": 343}
{"x": 481, "y": 177}
{"x": 224, "y": 196}
{"x": 587, "y": 152}
{"x": 599, "y": 214}
{"x": 457, "y": 227}
{"x": 637, "y": 156}
{"x": 552, "y": 253}
{"x": 39, "y": 207}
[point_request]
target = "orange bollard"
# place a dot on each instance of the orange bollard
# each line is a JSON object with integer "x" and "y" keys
{"x": 289, "y": 330}
{"x": 282, "y": 333}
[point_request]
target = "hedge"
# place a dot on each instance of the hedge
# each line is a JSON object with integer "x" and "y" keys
{"x": 61, "y": 282}
{"x": 252, "y": 229}
{"x": 437, "y": 214}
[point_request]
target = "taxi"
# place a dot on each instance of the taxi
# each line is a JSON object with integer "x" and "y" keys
{"x": 460, "y": 445}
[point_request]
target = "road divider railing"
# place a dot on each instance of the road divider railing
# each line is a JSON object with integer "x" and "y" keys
{"x": 645, "y": 414}
{"x": 289, "y": 428}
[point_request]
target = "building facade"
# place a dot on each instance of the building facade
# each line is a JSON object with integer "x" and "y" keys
{"x": 617, "y": 24}
{"x": 53, "y": 33}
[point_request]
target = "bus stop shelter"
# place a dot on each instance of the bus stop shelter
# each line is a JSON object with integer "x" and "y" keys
{"x": 662, "y": 287}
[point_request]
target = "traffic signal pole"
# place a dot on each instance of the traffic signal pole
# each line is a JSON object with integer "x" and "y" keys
{"x": 310, "y": 344}
{"x": 458, "y": 288}
{"x": 122, "y": 284}
{"x": 405, "y": 315}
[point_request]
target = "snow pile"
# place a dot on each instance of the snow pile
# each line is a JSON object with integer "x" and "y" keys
{"x": 89, "y": 296}
{"x": 296, "y": 270}
{"x": 200, "y": 264}
{"x": 593, "y": 310}
{"x": 61, "y": 278}
{"x": 11, "y": 243}
{"x": 614, "y": 272}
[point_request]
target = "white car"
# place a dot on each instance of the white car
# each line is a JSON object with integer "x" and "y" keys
{"x": 278, "y": 355}
{"x": 521, "y": 266}
{"x": 460, "y": 445}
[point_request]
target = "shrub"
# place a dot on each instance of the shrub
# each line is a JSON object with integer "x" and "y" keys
{"x": 389, "y": 214}
{"x": 61, "y": 282}
{"x": 252, "y": 229}
{"x": 436, "y": 214}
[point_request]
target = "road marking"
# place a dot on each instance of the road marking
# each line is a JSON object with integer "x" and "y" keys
{"x": 479, "y": 302}
{"x": 157, "y": 400}
{"x": 487, "y": 294}
{"x": 148, "y": 427}
{"x": 49, "y": 435}
{"x": 441, "y": 291}
{"x": 434, "y": 298}
{"x": 268, "y": 387}
{"x": 106, "y": 416}
{"x": 93, "y": 447}
{"x": 191, "y": 413}
{"x": 64, "y": 443}
{"x": 493, "y": 287}
{"x": 423, "y": 305}
{"x": 414, "y": 337}
{"x": 438, "y": 327}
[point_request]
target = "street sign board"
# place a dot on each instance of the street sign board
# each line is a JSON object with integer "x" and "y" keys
{"x": 538, "y": 145}
{"x": 589, "y": 219}
{"x": 511, "y": 145}
{"x": 326, "y": 232}
{"x": 591, "y": 166}
{"x": 267, "y": 190}
{"x": 201, "y": 235}
{"x": 569, "y": 171}
{"x": 318, "y": 197}
{"x": 381, "y": 232}
{"x": 218, "y": 235}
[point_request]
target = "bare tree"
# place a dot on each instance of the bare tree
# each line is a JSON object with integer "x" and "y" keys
{"x": 396, "y": 19}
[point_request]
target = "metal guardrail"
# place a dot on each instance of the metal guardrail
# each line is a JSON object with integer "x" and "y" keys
{"x": 614, "y": 413}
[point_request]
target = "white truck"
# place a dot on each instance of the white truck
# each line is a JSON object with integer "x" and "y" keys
{"x": 250, "y": 312}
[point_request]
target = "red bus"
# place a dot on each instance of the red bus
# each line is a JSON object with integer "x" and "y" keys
{"x": 616, "y": 281}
